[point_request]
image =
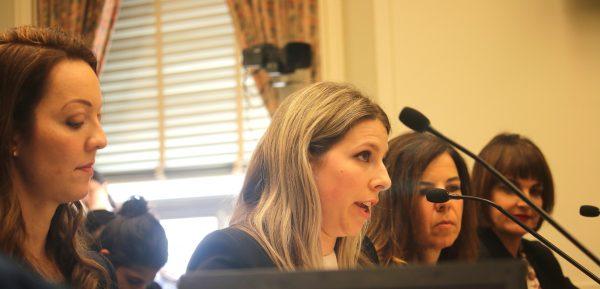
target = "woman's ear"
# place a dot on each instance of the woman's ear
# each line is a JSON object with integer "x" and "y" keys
{"x": 104, "y": 252}
{"x": 314, "y": 161}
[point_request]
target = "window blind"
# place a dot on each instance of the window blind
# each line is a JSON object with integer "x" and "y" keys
{"x": 173, "y": 97}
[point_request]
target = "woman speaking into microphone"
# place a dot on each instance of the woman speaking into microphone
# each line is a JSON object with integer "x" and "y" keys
{"x": 309, "y": 189}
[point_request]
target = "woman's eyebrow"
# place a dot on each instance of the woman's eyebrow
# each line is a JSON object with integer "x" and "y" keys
{"x": 370, "y": 144}
{"x": 78, "y": 100}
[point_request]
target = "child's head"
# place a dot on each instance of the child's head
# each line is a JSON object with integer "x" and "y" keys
{"x": 135, "y": 243}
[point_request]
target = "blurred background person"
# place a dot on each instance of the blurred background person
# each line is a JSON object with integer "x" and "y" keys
{"x": 523, "y": 163}
{"x": 50, "y": 131}
{"x": 408, "y": 228}
{"x": 136, "y": 245}
{"x": 100, "y": 207}
{"x": 95, "y": 222}
{"x": 98, "y": 198}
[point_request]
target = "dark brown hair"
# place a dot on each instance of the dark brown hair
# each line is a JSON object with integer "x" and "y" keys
{"x": 135, "y": 238}
{"x": 27, "y": 55}
{"x": 514, "y": 156}
{"x": 393, "y": 225}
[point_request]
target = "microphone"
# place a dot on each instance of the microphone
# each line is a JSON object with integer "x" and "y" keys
{"x": 437, "y": 195}
{"x": 589, "y": 211}
{"x": 416, "y": 121}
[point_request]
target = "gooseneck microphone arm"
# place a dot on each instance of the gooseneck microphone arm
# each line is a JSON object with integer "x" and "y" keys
{"x": 442, "y": 196}
{"x": 420, "y": 123}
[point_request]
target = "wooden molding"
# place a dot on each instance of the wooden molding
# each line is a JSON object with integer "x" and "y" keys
{"x": 331, "y": 38}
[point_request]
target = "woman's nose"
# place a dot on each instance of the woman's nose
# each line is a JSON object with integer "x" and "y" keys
{"x": 98, "y": 139}
{"x": 382, "y": 179}
{"x": 441, "y": 207}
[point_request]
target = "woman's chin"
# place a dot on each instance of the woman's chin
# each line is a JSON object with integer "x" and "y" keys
{"x": 448, "y": 243}
{"x": 513, "y": 230}
{"x": 352, "y": 232}
{"x": 76, "y": 196}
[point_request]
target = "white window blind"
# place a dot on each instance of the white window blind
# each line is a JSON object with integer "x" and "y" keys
{"x": 173, "y": 98}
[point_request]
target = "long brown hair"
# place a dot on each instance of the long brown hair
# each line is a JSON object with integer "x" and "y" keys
{"x": 279, "y": 204}
{"x": 514, "y": 156}
{"x": 392, "y": 227}
{"x": 27, "y": 55}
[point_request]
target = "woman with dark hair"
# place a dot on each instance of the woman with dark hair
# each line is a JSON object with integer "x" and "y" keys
{"x": 135, "y": 243}
{"x": 523, "y": 163}
{"x": 50, "y": 130}
{"x": 408, "y": 228}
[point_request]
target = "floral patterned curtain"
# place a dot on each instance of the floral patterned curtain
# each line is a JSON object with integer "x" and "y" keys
{"x": 93, "y": 20}
{"x": 276, "y": 22}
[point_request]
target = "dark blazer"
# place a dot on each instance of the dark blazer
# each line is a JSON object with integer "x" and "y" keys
{"x": 229, "y": 248}
{"x": 232, "y": 248}
{"x": 546, "y": 266}
{"x": 14, "y": 276}
{"x": 20, "y": 275}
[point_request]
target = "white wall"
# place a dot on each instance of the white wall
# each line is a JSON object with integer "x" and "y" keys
{"x": 477, "y": 68}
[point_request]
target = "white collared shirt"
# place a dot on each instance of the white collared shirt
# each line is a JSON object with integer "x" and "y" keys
{"x": 330, "y": 262}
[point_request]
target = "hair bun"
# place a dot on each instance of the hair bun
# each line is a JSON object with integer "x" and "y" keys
{"x": 134, "y": 207}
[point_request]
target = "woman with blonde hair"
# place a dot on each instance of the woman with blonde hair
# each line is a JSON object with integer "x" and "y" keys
{"x": 50, "y": 131}
{"x": 310, "y": 187}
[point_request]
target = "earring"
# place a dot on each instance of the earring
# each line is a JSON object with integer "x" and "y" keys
{"x": 15, "y": 153}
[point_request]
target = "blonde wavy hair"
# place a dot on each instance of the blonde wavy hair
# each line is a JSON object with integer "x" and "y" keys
{"x": 27, "y": 55}
{"x": 279, "y": 204}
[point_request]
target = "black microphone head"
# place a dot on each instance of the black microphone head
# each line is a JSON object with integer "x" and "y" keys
{"x": 436, "y": 195}
{"x": 589, "y": 211}
{"x": 414, "y": 119}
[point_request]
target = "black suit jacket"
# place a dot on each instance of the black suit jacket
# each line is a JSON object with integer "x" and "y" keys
{"x": 18, "y": 275}
{"x": 232, "y": 248}
{"x": 229, "y": 248}
{"x": 14, "y": 276}
{"x": 546, "y": 266}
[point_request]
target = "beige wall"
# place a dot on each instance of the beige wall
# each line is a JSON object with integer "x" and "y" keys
{"x": 477, "y": 68}
{"x": 16, "y": 12}
{"x": 7, "y": 17}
